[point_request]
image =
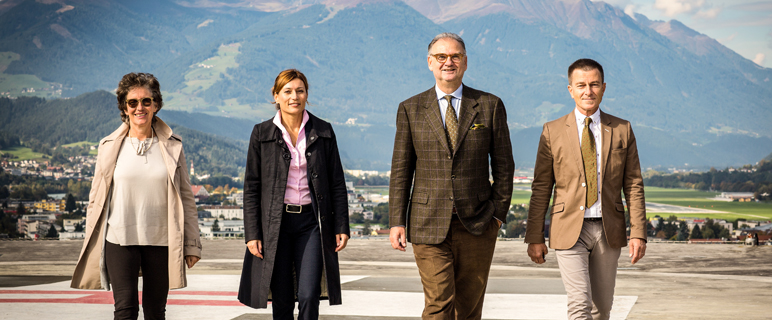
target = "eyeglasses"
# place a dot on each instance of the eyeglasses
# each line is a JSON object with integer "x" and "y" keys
{"x": 133, "y": 103}
{"x": 441, "y": 57}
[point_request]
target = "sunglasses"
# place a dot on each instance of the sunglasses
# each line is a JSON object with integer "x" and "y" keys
{"x": 133, "y": 103}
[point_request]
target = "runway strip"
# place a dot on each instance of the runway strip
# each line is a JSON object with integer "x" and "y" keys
{"x": 213, "y": 297}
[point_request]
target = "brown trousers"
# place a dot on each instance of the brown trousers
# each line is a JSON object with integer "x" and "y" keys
{"x": 454, "y": 273}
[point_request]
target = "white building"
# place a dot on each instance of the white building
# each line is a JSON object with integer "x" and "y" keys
{"x": 228, "y": 228}
{"x": 227, "y": 212}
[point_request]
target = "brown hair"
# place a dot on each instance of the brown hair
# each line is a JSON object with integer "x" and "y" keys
{"x": 586, "y": 65}
{"x": 284, "y": 78}
{"x": 135, "y": 80}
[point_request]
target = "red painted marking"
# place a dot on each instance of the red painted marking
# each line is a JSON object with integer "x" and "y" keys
{"x": 106, "y": 297}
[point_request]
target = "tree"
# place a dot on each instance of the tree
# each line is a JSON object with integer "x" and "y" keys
{"x": 216, "y": 225}
{"x": 69, "y": 205}
{"x": 52, "y": 232}
{"x": 356, "y": 217}
{"x": 683, "y": 232}
{"x": 79, "y": 227}
{"x": 708, "y": 233}
{"x": 4, "y": 193}
{"x": 366, "y": 228}
{"x": 21, "y": 210}
{"x": 696, "y": 233}
{"x": 514, "y": 229}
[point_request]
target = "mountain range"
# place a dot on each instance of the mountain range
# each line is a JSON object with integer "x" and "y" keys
{"x": 691, "y": 100}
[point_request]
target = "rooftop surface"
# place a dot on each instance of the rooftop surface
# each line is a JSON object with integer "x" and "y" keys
{"x": 673, "y": 281}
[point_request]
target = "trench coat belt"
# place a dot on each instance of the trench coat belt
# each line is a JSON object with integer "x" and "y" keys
{"x": 296, "y": 208}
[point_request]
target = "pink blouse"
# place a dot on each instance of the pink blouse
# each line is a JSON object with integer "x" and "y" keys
{"x": 297, "y": 191}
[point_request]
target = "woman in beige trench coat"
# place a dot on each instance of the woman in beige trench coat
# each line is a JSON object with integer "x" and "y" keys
{"x": 123, "y": 217}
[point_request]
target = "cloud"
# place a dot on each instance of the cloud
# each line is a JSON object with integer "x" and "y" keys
{"x": 708, "y": 14}
{"x": 760, "y": 58}
{"x": 630, "y": 10}
{"x": 672, "y": 8}
{"x": 724, "y": 41}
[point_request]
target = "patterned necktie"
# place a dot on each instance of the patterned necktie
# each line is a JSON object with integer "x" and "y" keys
{"x": 451, "y": 123}
{"x": 590, "y": 163}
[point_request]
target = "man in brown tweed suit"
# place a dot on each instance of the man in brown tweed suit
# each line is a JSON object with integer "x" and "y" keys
{"x": 451, "y": 211}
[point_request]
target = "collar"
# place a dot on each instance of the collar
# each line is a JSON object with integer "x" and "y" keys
{"x": 456, "y": 94}
{"x": 277, "y": 121}
{"x": 580, "y": 117}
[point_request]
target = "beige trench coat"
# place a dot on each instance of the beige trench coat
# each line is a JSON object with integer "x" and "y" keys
{"x": 184, "y": 238}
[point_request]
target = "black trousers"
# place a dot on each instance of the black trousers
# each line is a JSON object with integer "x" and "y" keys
{"x": 123, "y": 265}
{"x": 299, "y": 248}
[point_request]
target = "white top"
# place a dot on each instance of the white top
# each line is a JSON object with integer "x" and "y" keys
{"x": 138, "y": 206}
{"x": 594, "y": 211}
{"x": 444, "y": 103}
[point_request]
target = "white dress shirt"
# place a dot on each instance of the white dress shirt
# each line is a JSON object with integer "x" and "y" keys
{"x": 444, "y": 103}
{"x": 594, "y": 211}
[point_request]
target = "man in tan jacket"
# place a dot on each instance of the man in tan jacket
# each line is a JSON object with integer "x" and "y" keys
{"x": 588, "y": 156}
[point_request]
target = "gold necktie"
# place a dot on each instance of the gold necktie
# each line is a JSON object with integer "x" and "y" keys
{"x": 451, "y": 123}
{"x": 590, "y": 163}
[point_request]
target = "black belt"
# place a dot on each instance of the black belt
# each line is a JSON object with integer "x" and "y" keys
{"x": 296, "y": 208}
{"x": 593, "y": 219}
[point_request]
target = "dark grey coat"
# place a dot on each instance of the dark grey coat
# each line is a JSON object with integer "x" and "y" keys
{"x": 265, "y": 181}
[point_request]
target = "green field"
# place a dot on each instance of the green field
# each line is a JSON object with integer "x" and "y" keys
{"x": 701, "y": 199}
{"x": 201, "y": 76}
{"x": 22, "y": 153}
{"x": 83, "y": 143}
{"x": 13, "y": 84}
{"x": 694, "y": 198}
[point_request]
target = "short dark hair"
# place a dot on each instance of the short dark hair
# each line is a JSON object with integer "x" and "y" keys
{"x": 447, "y": 35}
{"x": 586, "y": 65}
{"x": 137, "y": 80}
{"x": 284, "y": 78}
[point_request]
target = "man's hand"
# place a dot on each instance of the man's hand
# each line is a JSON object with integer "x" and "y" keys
{"x": 191, "y": 261}
{"x": 397, "y": 238}
{"x": 341, "y": 240}
{"x": 537, "y": 252}
{"x": 256, "y": 248}
{"x": 637, "y": 249}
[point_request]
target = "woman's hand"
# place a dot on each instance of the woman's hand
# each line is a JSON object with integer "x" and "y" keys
{"x": 191, "y": 261}
{"x": 341, "y": 240}
{"x": 256, "y": 248}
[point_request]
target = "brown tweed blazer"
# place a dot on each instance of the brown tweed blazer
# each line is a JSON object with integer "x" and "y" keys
{"x": 444, "y": 179}
{"x": 559, "y": 164}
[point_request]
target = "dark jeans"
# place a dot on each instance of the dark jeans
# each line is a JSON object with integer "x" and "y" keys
{"x": 123, "y": 265}
{"x": 299, "y": 248}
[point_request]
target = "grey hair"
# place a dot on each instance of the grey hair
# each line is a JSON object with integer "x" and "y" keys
{"x": 447, "y": 35}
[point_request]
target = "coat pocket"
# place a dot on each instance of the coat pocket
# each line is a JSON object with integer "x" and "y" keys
{"x": 620, "y": 207}
{"x": 558, "y": 208}
{"x": 420, "y": 197}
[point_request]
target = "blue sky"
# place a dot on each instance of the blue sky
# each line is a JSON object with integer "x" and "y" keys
{"x": 744, "y": 26}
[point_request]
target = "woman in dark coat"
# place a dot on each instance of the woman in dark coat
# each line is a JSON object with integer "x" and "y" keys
{"x": 295, "y": 208}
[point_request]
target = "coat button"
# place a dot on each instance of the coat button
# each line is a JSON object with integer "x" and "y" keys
{"x": 449, "y": 157}
{"x": 320, "y": 197}
{"x": 312, "y": 138}
{"x": 287, "y": 156}
{"x": 314, "y": 175}
{"x": 451, "y": 197}
{"x": 584, "y": 184}
{"x": 280, "y": 141}
{"x": 308, "y": 154}
{"x": 453, "y": 177}
{"x": 581, "y": 207}
{"x": 322, "y": 218}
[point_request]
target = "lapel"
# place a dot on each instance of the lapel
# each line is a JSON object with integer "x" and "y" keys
{"x": 171, "y": 148}
{"x": 468, "y": 111}
{"x": 109, "y": 149}
{"x": 573, "y": 141}
{"x": 432, "y": 113}
{"x": 606, "y": 134}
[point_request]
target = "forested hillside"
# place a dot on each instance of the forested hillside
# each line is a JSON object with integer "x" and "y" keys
{"x": 92, "y": 116}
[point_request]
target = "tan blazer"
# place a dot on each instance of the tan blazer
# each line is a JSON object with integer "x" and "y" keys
{"x": 559, "y": 164}
{"x": 444, "y": 179}
{"x": 184, "y": 238}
